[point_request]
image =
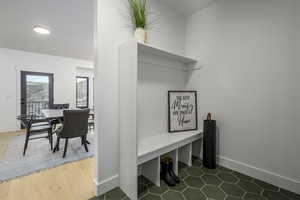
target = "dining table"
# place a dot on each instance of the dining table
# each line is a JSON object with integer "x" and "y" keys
{"x": 53, "y": 113}
{"x": 58, "y": 114}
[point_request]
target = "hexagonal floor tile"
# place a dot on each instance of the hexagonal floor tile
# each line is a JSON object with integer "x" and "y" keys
{"x": 151, "y": 197}
{"x": 179, "y": 187}
{"x": 172, "y": 195}
{"x": 182, "y": 174}
{"x": 250, "y": 196}
{"x": 289, "y": 194}
{"x": 242, "y": 176}
{"x": 181, "y": 166}
{"x": 232, "y": 189}
{"x": 211, "y": 179}
{"x": 158, "y": 190}
{"x": 209, "y": 171}
{"x": 114, "y": 194}
{"x": 98, "y": 198}
{"x": 197, "y": 163}
{"x": 271, "y": 195}
{"x": 214, "y": 192}
{"x": 233, "y": 198}
{"x": 266, "y": 186}
{"x": 193, "y": 194}
{"x": 227, "y": 177}
{"x": 194, "y": 171}
{"x": 194, "y": 182}
{"x": 249, "y": 186}
{"x": 224, "y": 169}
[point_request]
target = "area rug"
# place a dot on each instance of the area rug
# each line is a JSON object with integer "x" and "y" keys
{"x": 5, "y": 139}
{"x": 39, "y": 156}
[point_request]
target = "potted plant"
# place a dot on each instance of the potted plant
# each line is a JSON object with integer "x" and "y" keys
{"x": 138, "y": 13}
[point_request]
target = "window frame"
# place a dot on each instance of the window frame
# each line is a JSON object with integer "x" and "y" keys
{"x": 88, "y": 87}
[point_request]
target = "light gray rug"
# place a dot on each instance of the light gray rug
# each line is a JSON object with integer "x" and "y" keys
{"x": 39, "y": 156}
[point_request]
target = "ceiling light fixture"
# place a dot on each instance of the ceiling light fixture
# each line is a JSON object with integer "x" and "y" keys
{"x": 41, "y": 30}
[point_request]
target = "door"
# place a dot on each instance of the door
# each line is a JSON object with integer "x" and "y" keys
{"x": 36, "y": 92}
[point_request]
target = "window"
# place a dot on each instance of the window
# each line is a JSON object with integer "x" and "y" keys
{"x": 36, "y": 92}
{"x": 82, "y": 92}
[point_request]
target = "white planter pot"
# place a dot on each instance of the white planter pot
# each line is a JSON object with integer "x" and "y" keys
{"x": 140, "y": 35}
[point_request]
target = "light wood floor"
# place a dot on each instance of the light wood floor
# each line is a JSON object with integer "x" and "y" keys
{"x": 5, "y": 139}
{"x": 72, "y": 181}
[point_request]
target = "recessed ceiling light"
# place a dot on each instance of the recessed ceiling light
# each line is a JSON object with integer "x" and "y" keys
{"x": 41, "y": 30}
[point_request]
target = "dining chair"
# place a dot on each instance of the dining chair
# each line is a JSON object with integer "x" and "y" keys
{"x": 75, "y": 125}
{"x": 55, "y": 122}
{"x": 35, "y": 126}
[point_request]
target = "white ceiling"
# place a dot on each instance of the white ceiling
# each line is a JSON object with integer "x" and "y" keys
{"x": 188, "y": 7}
{"x": 70, "y": 22}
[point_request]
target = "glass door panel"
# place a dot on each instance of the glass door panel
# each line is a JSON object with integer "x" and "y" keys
{"x": 36, "y": 92}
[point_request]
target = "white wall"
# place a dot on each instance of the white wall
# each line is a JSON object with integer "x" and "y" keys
{"x": 168, "y": 32}
{"x": 250, "y": 82}
{"x": 152, "y": 97}
{"x": 297, "y": 55}
{"x": 13, "y": 61}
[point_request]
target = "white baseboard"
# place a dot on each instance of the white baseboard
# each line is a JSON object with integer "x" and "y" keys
{"x": 261, "y": 174}
{"x": 106, "y": 185}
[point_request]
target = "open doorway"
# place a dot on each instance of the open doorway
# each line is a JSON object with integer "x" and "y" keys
{"x": 40, "y": 68}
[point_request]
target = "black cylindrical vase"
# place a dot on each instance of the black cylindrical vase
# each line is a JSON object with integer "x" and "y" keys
{"x": 209, "y": 144}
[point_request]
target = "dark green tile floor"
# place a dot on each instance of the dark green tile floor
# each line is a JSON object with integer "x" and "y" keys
{"x": 199, "y": 183}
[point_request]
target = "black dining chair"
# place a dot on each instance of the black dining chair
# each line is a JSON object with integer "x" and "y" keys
{"x": 55, "y": 122}
{"x": 35, "y": 127}
{"x": 75, "y": 125}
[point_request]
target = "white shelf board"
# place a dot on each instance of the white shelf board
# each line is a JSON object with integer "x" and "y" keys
{"x": 151, "y": 147}
{"x": 148, "y": 49}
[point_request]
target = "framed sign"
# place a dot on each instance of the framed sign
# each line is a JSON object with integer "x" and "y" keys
{"x": 182, "y": 111}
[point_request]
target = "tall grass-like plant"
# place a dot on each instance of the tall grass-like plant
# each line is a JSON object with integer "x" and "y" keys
{"x": 138, "y": 9}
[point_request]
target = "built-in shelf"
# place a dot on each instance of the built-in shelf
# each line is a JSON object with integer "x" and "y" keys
{"x": 146, "y": 74}
{"x": 148, "y": 49}
{"x": 178, "y": 146}
{"x": 165, "y": 58}
{"x": 151, "y": 147}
